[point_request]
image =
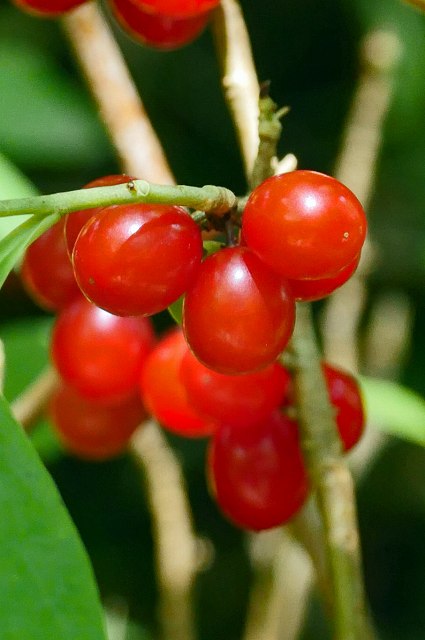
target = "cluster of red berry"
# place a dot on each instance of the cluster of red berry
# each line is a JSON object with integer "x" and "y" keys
{"x": 301, "y": 237}
{"x": 163, "y": 24}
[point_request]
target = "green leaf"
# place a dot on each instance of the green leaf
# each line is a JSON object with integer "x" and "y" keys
{"x": 394, "y": 409}
{"x": 46, "y": 582}
{"x": 176, "y": 310}
{"x": 14, "y": 244}
{"x": 13, "y": 184}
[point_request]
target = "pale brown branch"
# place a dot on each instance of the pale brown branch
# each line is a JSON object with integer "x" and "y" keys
{"x": 31, "y": 403}
{"x": 283, "y": 573}
{"x": 239, "y": 78}
{"x": 356, "y": 167}
{"x": 117, "y": 98}
{"x": 175, "y": 541}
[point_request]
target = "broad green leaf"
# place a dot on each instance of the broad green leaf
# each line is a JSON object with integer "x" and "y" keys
{"x": 13, "y": 184}
{"x": 47, "y": 586}
{"x": 394, "y": 409}
{"x": 13, "y": 245}
{"x": 25, "y": 340}
{"x": 176, "y": 310}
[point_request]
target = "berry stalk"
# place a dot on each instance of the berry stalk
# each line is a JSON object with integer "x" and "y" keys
{"x": 212, "y": 199}
{"x": 332, "y": 482}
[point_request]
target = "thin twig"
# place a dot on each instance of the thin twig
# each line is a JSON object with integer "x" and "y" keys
{"x": 239, "y": 78}
{"x": 356, "y": 167}
{"x": 142, "y": 156}
{"x": 215, "y": 200}
{"x": 31, "y": 403}
{"x": 117, "y": 98}
{"x": 332, "y": 483}
{"x": 175, "y": 543}
{"x": 282, "y": 570}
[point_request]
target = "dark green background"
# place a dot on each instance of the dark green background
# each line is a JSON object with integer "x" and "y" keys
{"x": 50, "y": 130}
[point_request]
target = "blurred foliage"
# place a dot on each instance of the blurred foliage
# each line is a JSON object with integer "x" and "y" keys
{"x": 50, "y": 130}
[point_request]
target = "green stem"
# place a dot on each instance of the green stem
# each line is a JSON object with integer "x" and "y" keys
{"x": 216, "y": 200}
{"x": 332, "y": 482}
{"x": 269, "y": 130}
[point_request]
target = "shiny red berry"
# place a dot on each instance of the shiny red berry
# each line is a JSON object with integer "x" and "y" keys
{"x": 345, "y": 396}
{"x": 177, "y": 8}
{"x": 238, "y": 315}
{"x": 46, "y": 270}
{"x": 99, "y": 354}
{"x": 47, "y": 8}
{"x": 75, "y": 221}
{"x": 157, "y": 30}
{"x": 163, "y": 391}
{"x": 234, "y": 400}
{"x": 304, "y": 225}
{"x": 137, "y": 259}
{"x": 93, "y": 431}
{"x": 257, "y": 473}
{"x": 310, "y": 290}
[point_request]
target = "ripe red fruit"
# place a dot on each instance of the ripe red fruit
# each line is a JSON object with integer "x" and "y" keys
{"x": 157, "y": 30}
{"x": 178, "y": 8}
{"x": 310, "y": 290}
{"x": 93, "y": 431}
{"x": 257, "y": 472}
{"x": 304, "y": 225}
{"x": 47, "y": 8}
{"x": 164, "y": 393}
{"x": 137, "y": 259}
{"x": 99, "y": 354}
{"x": 345, "y": 396}
{"x": 46, "y": 270}
{"x": 75, "y": 221}
{"x": 238, "y": 315}
{"x": 235, "y": 400}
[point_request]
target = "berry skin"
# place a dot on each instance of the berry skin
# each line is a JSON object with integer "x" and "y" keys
{"x": 92, "y": 431}
{"x": 257, "y": 473}
{"x": 98, "y": 354}
{"x": 137, "y": 259}
{"x": 47, "y": 8}
{"x": 238, "y": 315}
{"x": 304, "y": 225}
{"x": 234, "y": 400}
{"x": 177, "y": 8}
{"x": 157, "y": 30}
{"x": 311, "y": 290}
{"x": 75, "y": 221}
{"x": 163, "y": 391}
{"x": 344, "y": 394}
{"x": 46, "y": 270}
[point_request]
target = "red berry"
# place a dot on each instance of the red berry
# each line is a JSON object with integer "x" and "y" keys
{"x": 238, "y": 315}
{"x": 345, "y": 396}
{"x": 93, "y": 431}
{"x": 99, "y": 354}
{"x": 304, "y": 225}
{"x": 234, "y": 400}
{"x": 177, "y": 8}
{"x": 75, "y": 221}
{"x": 47, "y": 8}
{"x": 137, "y": 259}
{"x": 164, "y": 393}
{"x": 157, "y": 30}
{"x": 310, "y": 290}
{"x": 257, "y": 472}
{"x": 46, "y": 270}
